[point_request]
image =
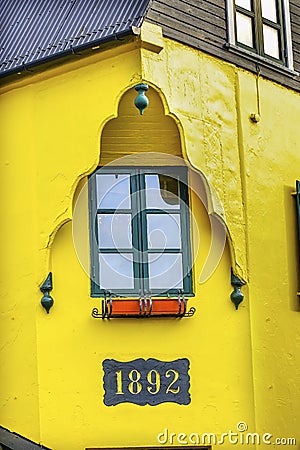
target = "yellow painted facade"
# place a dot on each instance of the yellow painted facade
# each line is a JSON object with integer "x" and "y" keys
{"x": 244, "y": 365}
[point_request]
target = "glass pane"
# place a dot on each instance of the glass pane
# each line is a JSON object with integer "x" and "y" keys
{"x": 113, "y": 191}
{"x": 165, "y": 271}
{"x": 114, "y": 231}
{"x": 162, "y": 192}
{"x": 116, "y": 271}
{"x": 244, "y": 29}
{"x": 246, "y": 4}
{"x": 269, "y": 10}
{"x": 163, "y": 231}
{"x": 271, "y": 41}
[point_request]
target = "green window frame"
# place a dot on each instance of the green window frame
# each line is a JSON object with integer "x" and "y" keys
{"x": 298, "y": 216}
{"x": 142, "y": 229}
{"x": 298, "y": 205}
{"x": 261, "y": 27}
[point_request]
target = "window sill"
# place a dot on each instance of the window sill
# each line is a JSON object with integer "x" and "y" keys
{"x": 262, "y": 61}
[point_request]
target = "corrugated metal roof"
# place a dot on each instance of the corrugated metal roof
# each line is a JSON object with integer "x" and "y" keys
{"x": 32, "y": 31}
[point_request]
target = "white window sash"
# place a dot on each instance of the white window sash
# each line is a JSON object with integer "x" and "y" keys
{"x": 288, "y": 34}
{"x": 230, "y": 22}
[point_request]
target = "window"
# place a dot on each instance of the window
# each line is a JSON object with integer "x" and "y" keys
{"x": 298, "y": 207}
{"x": 298, "y": 218}
{"x": 261, "y": 26}
{"x": 139, "y": 222}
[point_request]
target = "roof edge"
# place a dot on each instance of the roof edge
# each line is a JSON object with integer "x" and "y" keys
{"x": 27, "y": 67}
{"x": 15, "y": 441}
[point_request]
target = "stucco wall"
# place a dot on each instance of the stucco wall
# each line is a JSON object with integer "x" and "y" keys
{"x": 243, "y": 363}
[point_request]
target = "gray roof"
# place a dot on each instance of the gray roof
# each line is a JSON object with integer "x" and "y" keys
{"x": 34, "y": 31}
{"x": 13, "y": 441}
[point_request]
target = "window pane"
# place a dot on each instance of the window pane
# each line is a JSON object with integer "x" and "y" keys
{"x": 163, "y": 231}
{"x": 162, "y": 192}
{"x": 269, "y": 10}
{"x": 246, "y": 4}
{"x": 113, "y": 191}
{"x": 271, "y": 41}
{"x": 165, "y": 271}
{"x": 116, "y": 271}
{"x": 244, "y": 29}
{"x": 114, "y": 231}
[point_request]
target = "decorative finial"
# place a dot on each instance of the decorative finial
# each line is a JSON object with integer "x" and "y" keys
{"x": 236, "y": 296}
{"x": 47, "y": 301}
{"x": 141, "y": 101}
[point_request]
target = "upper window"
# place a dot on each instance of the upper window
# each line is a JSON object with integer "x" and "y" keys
{"x": 139, "y": 221}
{"x": 261, "y": 26}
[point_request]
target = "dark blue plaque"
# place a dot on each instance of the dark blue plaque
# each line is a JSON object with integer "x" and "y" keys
{"x": 147, "y": 381}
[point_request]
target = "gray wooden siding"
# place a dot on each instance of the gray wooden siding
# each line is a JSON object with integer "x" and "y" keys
{"x": 202, "y": 24}
{"x": 199, "y": 23}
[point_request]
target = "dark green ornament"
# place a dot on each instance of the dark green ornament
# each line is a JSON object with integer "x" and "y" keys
{"x": 47, "y": 301}
{"x": 141, "y": 101}
{"x": 236, "y": 296}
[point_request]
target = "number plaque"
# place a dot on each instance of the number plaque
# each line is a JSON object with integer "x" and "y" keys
{"x": 146, "y": 381}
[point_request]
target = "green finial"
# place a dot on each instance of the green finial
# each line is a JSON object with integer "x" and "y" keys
{"x": 47, "y": 301}
{"x": 236, "y": 296}
{"x": 141, "y": 101}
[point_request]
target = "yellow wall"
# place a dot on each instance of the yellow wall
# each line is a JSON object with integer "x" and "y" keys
{"x": 243, "y": 363}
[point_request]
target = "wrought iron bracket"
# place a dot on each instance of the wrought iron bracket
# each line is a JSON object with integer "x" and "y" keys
{"x": 145, "y": 306}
